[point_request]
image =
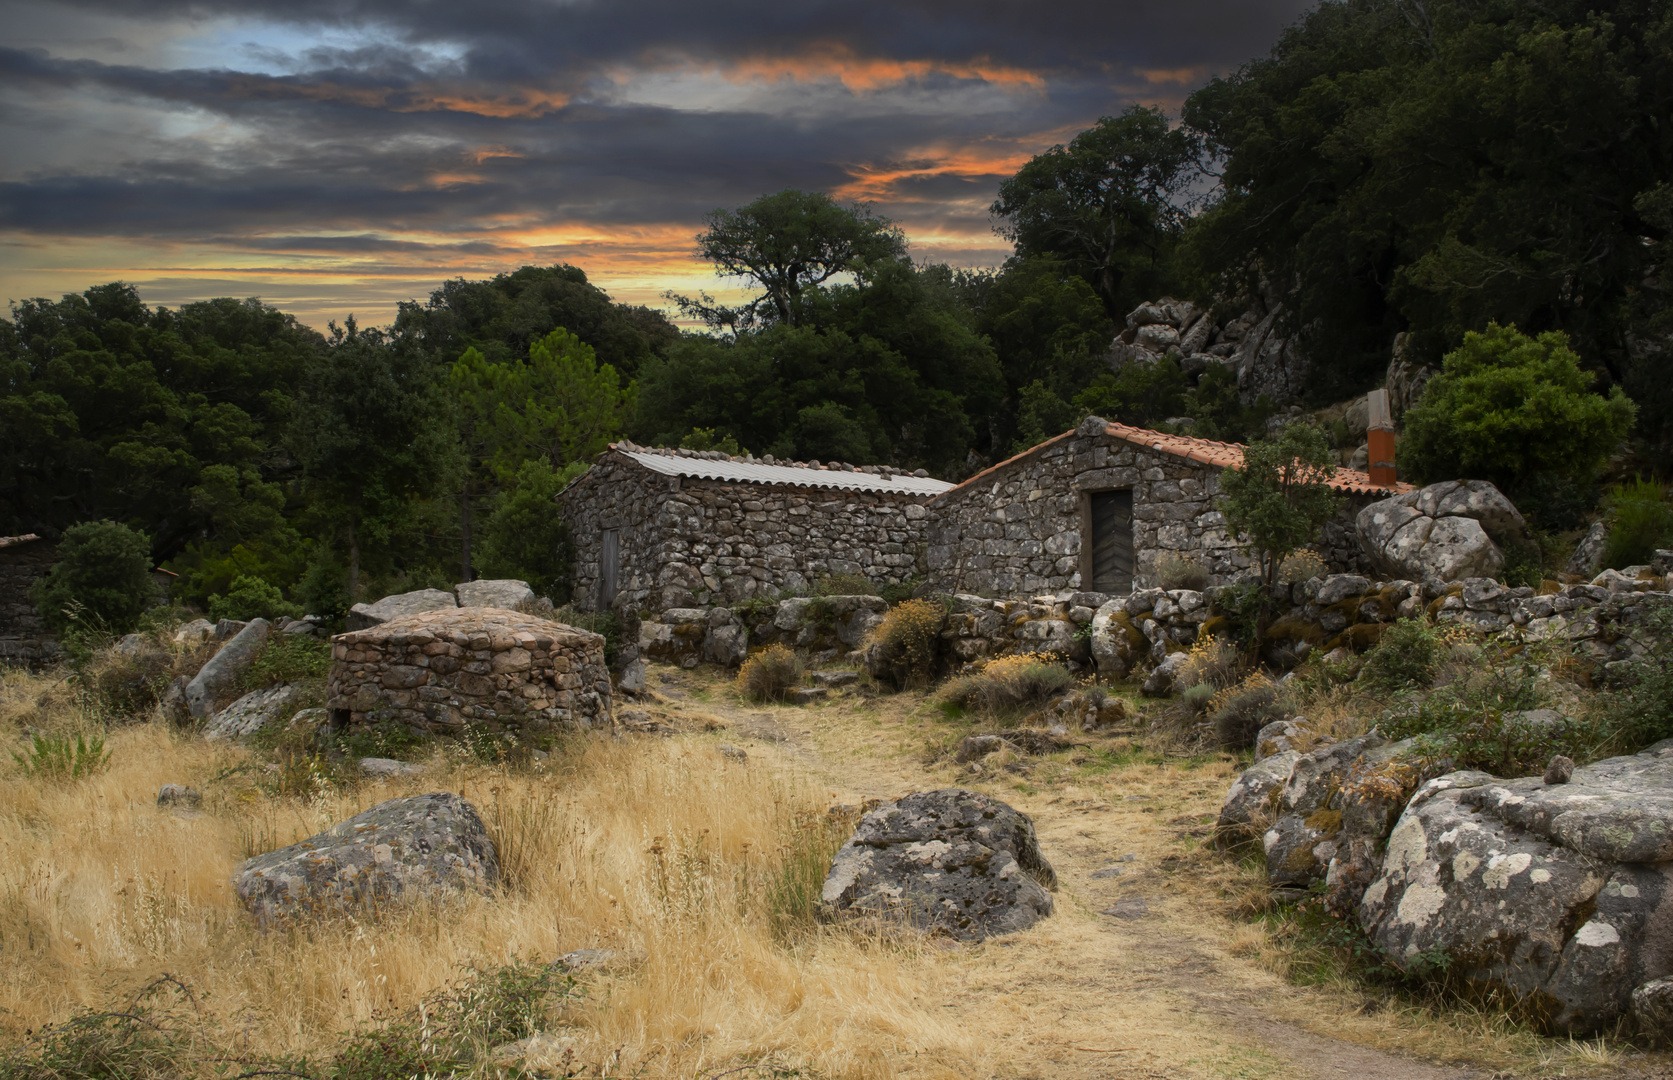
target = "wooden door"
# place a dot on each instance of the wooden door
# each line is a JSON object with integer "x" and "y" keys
{"x": 609, "y": 568}
{"x": 1112, "y": 542}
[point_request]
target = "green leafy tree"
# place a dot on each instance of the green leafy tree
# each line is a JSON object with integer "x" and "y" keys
{"x": 251, "y": 598}
{"x": 1111, "y": 204}
{"x": 374, "y": 435}
{"x": 101, "y": 581}
{"x": 524, "y": 538}
{"x": 787, "y": 244}
{"x": 1142, "y": 395}
{"x": 1507, "y": 407}
{"x": 1281, "y": 497}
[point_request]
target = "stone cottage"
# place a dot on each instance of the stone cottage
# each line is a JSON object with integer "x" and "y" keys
{"x": 1093, "y": 509}
{"x": 656, "y": 529}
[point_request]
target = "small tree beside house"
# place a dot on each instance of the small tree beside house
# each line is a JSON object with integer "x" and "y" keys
{"x": 1281, "y": 498}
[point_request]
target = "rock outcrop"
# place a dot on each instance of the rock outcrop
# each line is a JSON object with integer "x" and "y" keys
{"x": 1442, "y": 533}
{"x": 1254, "y": 345}
{"x": 254, "y": 711}
{"x": 493, "y": 592}
{"x": 220, "y": 675}
{"x": 398, "y": 851}
{"x": 952, "y": 861}
{"x": 362, "y": 616}
{"x": 1560, "y": 895}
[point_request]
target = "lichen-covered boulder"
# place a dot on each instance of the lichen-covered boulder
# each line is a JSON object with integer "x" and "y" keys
{"x": 220, "y": 675}
{"x": 1561, "y": 896}
{"x": 1445, "y": 532}
{"x": 493, "y": 592}
{"x": 1302, "y": 840}
{"x": 365, "y": 616}
{"x": 953, "y": 861}
{"x": 254, "y": 711}
{"x": 1250, "y": 803}
{"x": 1162, "y": 681}
{"x": 1116, "y": 646}
{"x": 398, "y": 851}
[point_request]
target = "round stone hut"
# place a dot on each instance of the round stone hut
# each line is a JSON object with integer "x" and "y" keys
{"x": 489, "y": 668}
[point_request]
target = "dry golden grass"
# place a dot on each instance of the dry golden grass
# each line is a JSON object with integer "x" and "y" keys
{"x": 660, "y": 849}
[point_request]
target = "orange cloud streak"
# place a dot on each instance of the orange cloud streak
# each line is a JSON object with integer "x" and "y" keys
{"x": 828, "y": 62}
{"x": 524, "y": 102}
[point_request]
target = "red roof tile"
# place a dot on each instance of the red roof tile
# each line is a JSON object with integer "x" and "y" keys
{"x": 1207, "y": 451}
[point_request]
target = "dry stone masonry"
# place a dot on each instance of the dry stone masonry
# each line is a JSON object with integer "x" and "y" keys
{"x": 24, "y": 638}
{"x": 498, "y": 670}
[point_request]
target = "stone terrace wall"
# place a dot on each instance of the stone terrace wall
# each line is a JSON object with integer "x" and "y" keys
{"x": 686, "y": 543}
{"x": 1017, "y": 532}
{"x": 487, "y": 667}
{"x": 24, "y": 638}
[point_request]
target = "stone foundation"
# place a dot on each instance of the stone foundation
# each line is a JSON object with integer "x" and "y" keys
{"x": 488, "y": 668}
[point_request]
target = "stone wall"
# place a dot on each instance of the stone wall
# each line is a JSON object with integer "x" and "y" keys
{"x": 1017, "y": 532}
{"x": 687, "y": 542}
{"x": 24, "y": 638}
{"x": 493, "y": 669}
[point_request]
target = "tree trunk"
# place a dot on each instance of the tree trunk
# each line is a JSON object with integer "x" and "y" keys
{"x": 354, "y": 565}
{"x": 465, "y": 531}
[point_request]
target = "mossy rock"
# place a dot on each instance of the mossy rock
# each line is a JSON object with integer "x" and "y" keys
{"x": 1135, "y": 639}
{"x": 1363, "y": 635}
{"x": 1213, "y": 625}
{"x": 1294, "y": 627}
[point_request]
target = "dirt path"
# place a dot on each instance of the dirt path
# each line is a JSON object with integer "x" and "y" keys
{"x": 1134, "y": 976}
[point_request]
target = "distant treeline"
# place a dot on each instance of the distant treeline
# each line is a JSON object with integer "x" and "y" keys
{"x": 1390, "y": 167}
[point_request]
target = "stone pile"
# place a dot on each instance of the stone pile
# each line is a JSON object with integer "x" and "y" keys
{"x": 493, "y": 592}
{"x": 1252, "y": 346}
{"x": 498, "y": 670}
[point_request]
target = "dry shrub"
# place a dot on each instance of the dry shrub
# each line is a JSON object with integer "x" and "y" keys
{"x": 906, "y": 641}
{"x": 1212, "y": 662}
{"x": 1303, "y": 565}
{"x": 1239, "y": 712}
{"x": 770, "y": 674}
{"x": 1175, "y": 570}
{"x": 700, "y": 877}
{"x": 1009, "y": 684}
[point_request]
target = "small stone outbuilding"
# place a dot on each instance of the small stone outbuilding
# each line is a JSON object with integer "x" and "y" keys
{"x": 1094, "y": 508}
{"x": 498, "y": 670}
{"x": 658, "y": 529}
{"x": 24, "y": 638}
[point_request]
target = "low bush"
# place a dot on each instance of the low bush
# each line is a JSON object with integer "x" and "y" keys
{"x": 292, "y": 658}
{"x": 770, "y": 674}
{"x": 101, "y": 583}
{"x": 1303, "y": 565}
{"x": 908, "y": 639}
{"x": 603, "y": 623}
{"x": 56, "y": 757}
{"x": 845, "y": 585}
{"x": 251, "y": 598}
{"x": 1239, "y": 712}
{"x": 1641, "y": 711}
{"x": 1211, "y": 662}
{"x": 1175, "y": 570}
{"x": 1409, "y": 654}
{"x": 1643, "y": 521}
{"x": 1010, "y": 684}
{"x": 901, "y": 592}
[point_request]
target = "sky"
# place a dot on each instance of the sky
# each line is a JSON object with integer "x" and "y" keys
{"x": 339, "y": 157}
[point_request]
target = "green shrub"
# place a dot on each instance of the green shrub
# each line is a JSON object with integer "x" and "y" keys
{"x": 1196, "y": 698}
{"x": 101, "y": 583}
{"x": 55, "y": 757}
{"x": 900, "y": 592}
{"x": 324, "y": 588}
{"x": 603, "y": 623}
{"x": 1643, "y": 521}
{"x": 770, "y": 674}
{"x": 251, "y": 598}
{"x": 1409, "y": 654}
{"x": 289, "y": 658}
{"x": 1641, "y": 712}
{"x": 1239, "y": 712}
{"x": 845, "y": 585}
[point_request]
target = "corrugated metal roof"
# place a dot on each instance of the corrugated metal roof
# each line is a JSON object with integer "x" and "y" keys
{"x": 1209, "y": 452}
{"x": 14, "y": 541}
{"x": 755, "y": 472}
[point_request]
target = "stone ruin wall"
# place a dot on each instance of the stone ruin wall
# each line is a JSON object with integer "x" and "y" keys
{"x": 1017, "y": 533}
{"x": 686, "y": 542}
{"x": 487, "y": 668}
{"x": 24, "y": 638}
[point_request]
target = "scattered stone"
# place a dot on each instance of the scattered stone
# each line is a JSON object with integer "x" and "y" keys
{"x": 224, "y": 669}
{"x": 389, "y": 768}
{"x": 632, "y": 678}
{"x": 587, "y": 960}
{"x": 973, "y": 747}
{"x": 179, "y": 795}
{"x": 1652, "y": 1008}
{"x": 807, "y": 695}
{"x": 496, "y": 592}
{"x": 1308, "y": 826}
{"x": 1252, "y": 802}
{"x": 1160, "y": 682}
{"x": 1587, "y": 559}
{"x": 730, "y": 751}
{"x": 364, "y": 616}
{"x": 1136, "y": 907}
{"x": 1107, "y": 872}
{"x": 228, "y": 628}
{"x": 173, "y": 702}
{"x": 834, "y": 679}
{"x": 399, "y": 850}
{"x": 1559, "y": 770}
{"x": 130, "y": 645}
{"x": 541, "y": 1054}
{"x": 303, "y": 628}
{"x": 953, "y": 861}
{"x": 252, "y": 712}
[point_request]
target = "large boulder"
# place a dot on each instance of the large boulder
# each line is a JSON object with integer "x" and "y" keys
{"x": 1249, "y": 806}
{"x": 494, "y": 592}
{"x": 1560, "y": 895}
{"x": 1117, "y": 646}
{"x": 222, "y": 672}
{"x": 365, "y": 616}
{"x": 254, "y": 711}
{"x": 398, "y": 851}
{"x": 954, "y": 861}
{"x": 1308, "y": 812}
{"x": 1445, "y": 532}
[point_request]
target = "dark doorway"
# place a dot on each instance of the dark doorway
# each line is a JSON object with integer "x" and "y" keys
{"x": 1112, "y": 541}
{"x": 610, "y": 567}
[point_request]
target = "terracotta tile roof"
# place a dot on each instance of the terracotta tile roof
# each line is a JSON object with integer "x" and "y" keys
{"x": 1207, "y": 451}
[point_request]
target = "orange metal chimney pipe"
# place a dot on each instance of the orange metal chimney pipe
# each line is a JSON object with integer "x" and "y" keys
{"x": 1380, "y": 438}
